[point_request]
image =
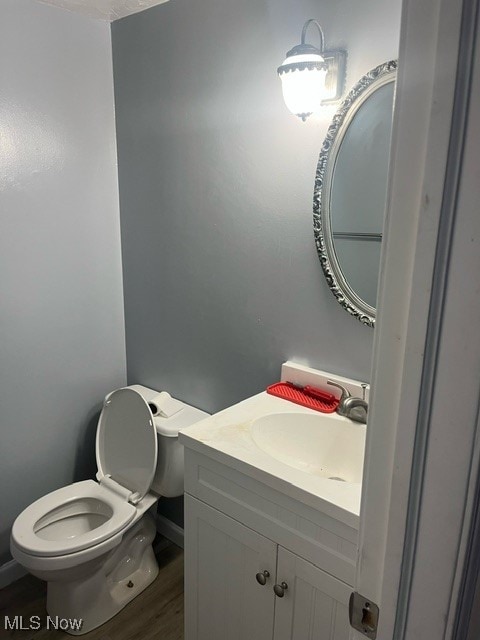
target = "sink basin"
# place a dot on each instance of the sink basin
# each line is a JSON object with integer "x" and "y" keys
{"x": 324, "y": 445}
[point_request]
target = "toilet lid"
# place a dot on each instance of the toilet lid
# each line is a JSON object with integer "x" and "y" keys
{"x": 126, "y": 445}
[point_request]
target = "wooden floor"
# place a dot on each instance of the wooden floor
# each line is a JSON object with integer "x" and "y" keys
{"x": 156, "y": 613}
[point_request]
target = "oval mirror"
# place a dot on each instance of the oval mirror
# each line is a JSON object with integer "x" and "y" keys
{"x": 350, "y": 192}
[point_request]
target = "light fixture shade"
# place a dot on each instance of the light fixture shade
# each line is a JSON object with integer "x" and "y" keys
{"x": 303, "y": 83}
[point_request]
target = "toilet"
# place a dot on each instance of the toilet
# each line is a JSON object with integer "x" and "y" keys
{"x": 92, "y": 541}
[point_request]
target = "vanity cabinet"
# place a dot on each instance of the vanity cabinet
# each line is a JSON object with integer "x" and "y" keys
{"x": 222, "y": 597}
{"x": 237, "y": 528}
{"x": 315, "y": 604}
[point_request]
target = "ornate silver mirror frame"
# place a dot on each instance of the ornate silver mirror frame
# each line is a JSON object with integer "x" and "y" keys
{"x": 341, "y": 289}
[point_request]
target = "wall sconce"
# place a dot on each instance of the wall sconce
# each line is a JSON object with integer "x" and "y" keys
{"x": 310, "y": 76}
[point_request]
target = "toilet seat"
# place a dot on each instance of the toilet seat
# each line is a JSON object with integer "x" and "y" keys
{"x": 54, "y": 513}
{"x": 85, "y": 514}
{"x": 126, "y": 445}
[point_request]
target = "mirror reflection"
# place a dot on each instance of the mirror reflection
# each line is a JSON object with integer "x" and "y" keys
{"x": 350, "y": 192}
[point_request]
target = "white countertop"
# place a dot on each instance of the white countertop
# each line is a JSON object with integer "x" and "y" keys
{"x": 226, "y": 437}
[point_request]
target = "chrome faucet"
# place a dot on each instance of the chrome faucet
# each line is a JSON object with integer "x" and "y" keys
{"x": 350, "y": 406}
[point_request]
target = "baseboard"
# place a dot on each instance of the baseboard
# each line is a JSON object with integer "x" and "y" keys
{"x": 170, "y": 530}
{"x": 11, "y": 571}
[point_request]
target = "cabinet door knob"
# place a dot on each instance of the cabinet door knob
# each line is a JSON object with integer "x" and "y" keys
{"x": 280, "y": 589}
{"x": 262, "y": 577}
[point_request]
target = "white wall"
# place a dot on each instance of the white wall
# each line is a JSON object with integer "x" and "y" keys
{"x": 61, "y": 303}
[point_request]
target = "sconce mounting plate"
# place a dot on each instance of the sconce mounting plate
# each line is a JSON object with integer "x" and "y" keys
{"x": 335, "y": 79}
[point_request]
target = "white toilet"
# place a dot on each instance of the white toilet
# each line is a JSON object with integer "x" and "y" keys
{"x": 92, "y": 541}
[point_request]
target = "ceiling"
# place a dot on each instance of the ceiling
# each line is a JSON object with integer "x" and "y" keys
{"x": 104, "y": 9}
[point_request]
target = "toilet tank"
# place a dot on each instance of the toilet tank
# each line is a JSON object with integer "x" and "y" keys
{"x": 168, "y": 479}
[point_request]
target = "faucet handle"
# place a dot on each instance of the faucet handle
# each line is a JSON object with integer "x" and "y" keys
{"x": 345, "y": 392}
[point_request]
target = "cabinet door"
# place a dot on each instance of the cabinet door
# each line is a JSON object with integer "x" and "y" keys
{"x": 315, "y": 604}
{"x": 223, "y": 600}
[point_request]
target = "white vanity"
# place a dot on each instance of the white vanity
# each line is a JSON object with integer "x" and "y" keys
{"x": 271, "y": 519}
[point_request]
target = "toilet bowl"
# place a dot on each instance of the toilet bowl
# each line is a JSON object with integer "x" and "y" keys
{"x": 92, "y": 541}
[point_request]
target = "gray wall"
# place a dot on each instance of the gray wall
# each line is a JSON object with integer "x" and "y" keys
{"x": 61, "y": 307}
{"x": 221, "y": 279}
